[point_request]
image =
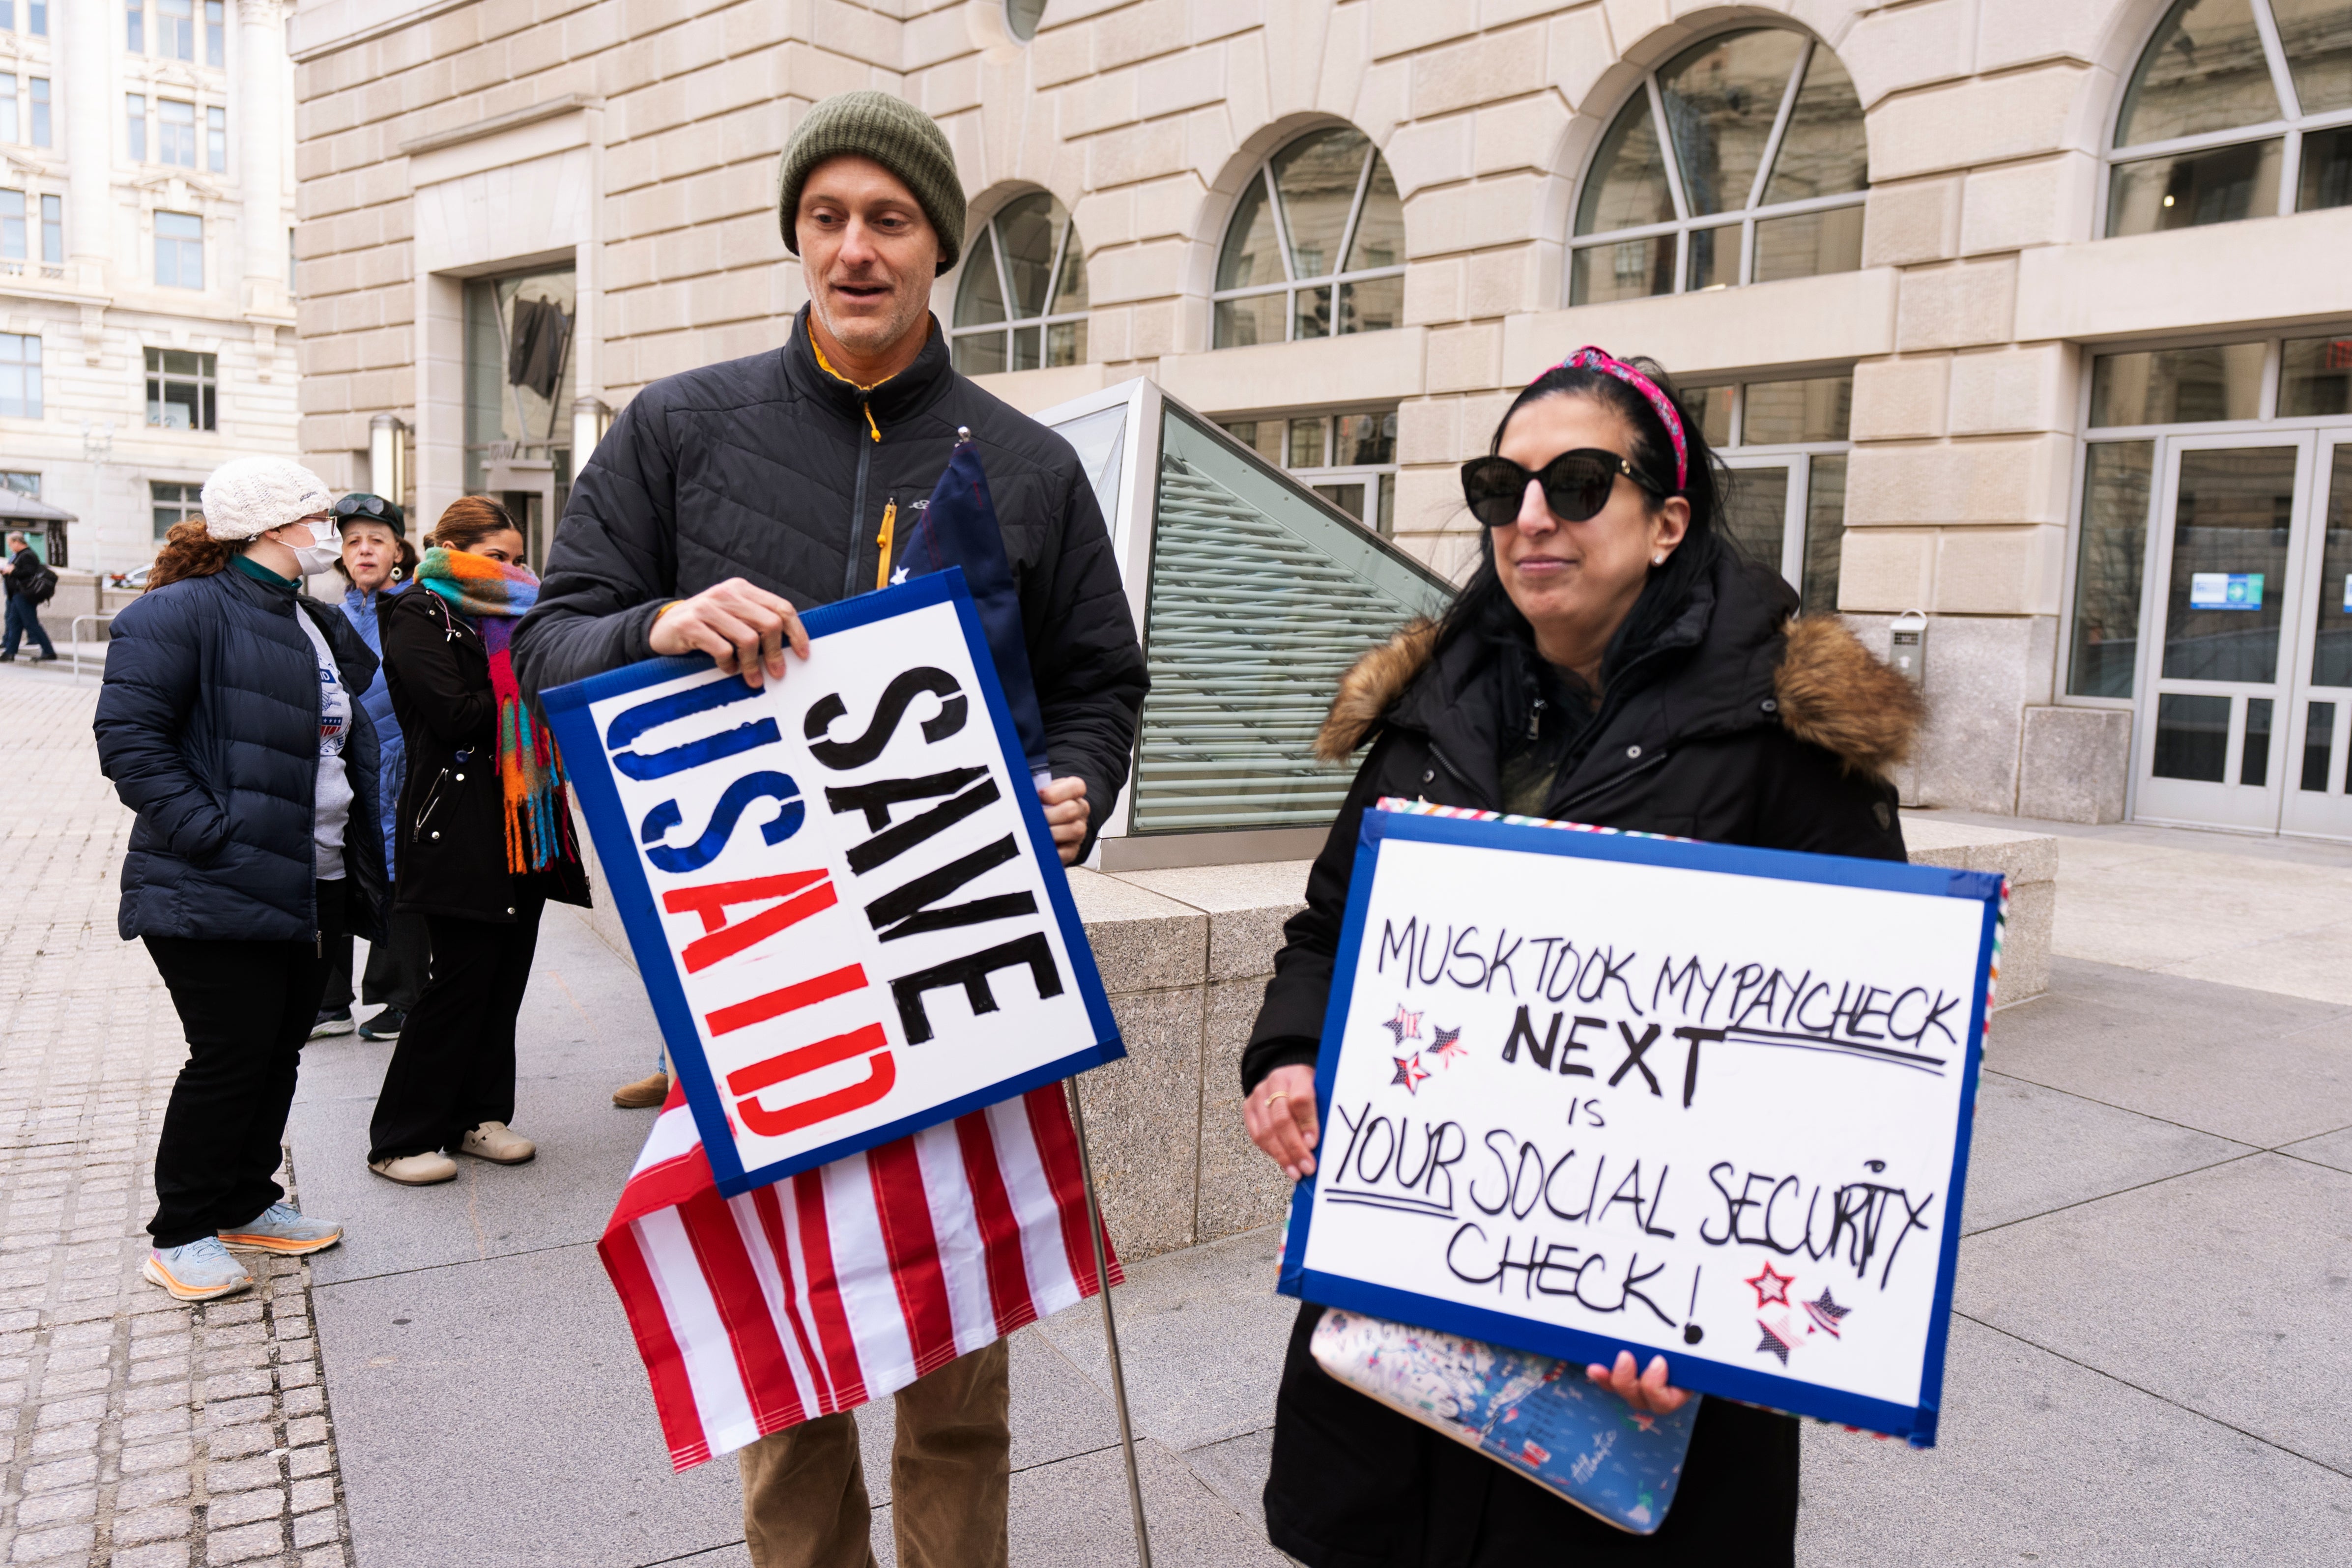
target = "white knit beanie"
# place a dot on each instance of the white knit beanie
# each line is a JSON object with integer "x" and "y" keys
{"x": 250, "y": 496}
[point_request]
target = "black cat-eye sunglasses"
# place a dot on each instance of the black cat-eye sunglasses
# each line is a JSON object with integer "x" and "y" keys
{"x": 1576, "y": 484}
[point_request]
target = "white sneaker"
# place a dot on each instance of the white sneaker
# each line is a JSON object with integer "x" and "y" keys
{"x": 426, "y": 1169}
{"x": 498, "y": 1144}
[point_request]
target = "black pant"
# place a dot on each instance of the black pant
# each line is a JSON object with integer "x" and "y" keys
{"x": 454, "y": 1068}
{"x": 246, "y": 1009}
{"x": 395, "y": 966}
{"x": 25, "y": 617}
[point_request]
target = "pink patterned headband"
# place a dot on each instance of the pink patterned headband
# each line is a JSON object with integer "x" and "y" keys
{"x": 1592, "y": 359}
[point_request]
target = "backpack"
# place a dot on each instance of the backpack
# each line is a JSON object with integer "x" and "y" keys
{"x": 43, "y": 583}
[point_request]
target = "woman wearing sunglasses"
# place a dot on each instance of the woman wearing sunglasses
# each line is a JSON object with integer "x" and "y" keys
{"x": 1614, "y": 659}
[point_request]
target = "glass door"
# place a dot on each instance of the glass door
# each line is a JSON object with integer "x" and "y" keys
{"x": 2228, "y": 596}
{"x": 2318, "y": 782}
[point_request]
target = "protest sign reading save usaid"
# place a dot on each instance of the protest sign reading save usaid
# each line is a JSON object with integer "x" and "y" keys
{"x": 840, "y": 888}
{"x": 1584, "y": 1090}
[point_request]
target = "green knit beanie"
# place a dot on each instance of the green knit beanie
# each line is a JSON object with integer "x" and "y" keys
{"x": 895, "y": 134}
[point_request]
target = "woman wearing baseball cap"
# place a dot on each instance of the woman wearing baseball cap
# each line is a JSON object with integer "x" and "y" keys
{"x": 229, "y": 722}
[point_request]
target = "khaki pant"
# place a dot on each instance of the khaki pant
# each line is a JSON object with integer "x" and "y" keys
{"x": 804, "y": 1504}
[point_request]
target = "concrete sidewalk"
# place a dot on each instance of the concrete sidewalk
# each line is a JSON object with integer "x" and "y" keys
{"x": 2152, "y": 1327}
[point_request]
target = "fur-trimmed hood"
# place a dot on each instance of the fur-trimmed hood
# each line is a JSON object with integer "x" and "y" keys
{"x": 1829, "y": 691}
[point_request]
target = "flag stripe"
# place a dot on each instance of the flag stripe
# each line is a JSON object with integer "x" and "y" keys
{"x": 848, "y": 1377}
{"x": 904, "y": 1214}
{"x": 1000, "y": 1232}
{"x": 774, "y": 1252}
{"x": 863, "y": 1266}
{"x": 681, "y": 1418}
{"x": 963, "y": 1258}
{"x": 709, "y": 1223}
{"x": 703, "y": 1341}
{"x": 1057, "y": 1151}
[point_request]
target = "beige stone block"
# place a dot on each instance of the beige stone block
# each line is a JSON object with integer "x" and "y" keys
{"x": 1428, "y": 500}
{"x": 1142, "y": 940}
{"x": 1464, "y": 358}
{"x": 1143, "y": 1121}
{"x": 1136, "y": 272}
{"x": 2002, "y": 481}
{"x": 933, "y": 40}
{"x": 1895, "y": 49}
{"x": 1096, "y": 103}
{"x": 1240, "y": 1188}
{"x": 1501, "y": 211}
{"x": 1502, "y": 281}
{"x": 1222, "y": 19}
{"x": 1433, "y": 290}
{"x": 1060, "y": 54}
{"x": 1497, "y": 65}
{"x": 2076, "y": 764}
{"x": 2022, "y": 856}
{"x": 1401, "y": 26}
{"x": 1886, "y": 569}
{"x": 1246, "y": 906}
{"x": 1165, "y": 209}
{"x": 1577, "y": 52}
{"x": 1900, "y": 399}
{"x": 1208, "y": 142}
{"x": 2052, "y": 201}
{"x": 1186, "y": 80}
{"x": 1956, "y": 305}
{"x": 1482, "y": 416}
{"x": 949, "y": 86}
{"x": 2009, "y": 390}
{"x": 1139, "y": 32}
{"x": 1632, "y": 21}
{"x": 1429, "y": 430}
{"x": 2198, "y": 279}
{"x": 1430, "y": 152}
{"x": 1369, "y": 366}
{"x": 857, "y": 32}
{"x": 1155, "y": 330}
{"x": 1799, "y": 321}
{"x": 2022, "y": 32}
{"x": 1524, "y": 134}
{"x": 1998, "y": 572}
{"x": 1983, "y": 121}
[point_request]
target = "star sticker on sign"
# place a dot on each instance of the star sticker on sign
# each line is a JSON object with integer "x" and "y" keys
{"x": 1405, "y": 1026}
{"x": 1409, "y": 1071}
{"x": 1771, "y": 1286}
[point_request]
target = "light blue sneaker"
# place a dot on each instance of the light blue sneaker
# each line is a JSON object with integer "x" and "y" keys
{"x": 281, "y": 1228}
{"x": 199, "y": 1272}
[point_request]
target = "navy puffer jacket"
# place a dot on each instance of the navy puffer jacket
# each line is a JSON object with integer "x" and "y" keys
{"x": 208, "y": 725}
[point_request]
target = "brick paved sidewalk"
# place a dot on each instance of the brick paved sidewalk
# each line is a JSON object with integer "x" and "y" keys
{"x": 137, "y": 1432}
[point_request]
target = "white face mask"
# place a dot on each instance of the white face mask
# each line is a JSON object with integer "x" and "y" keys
{"x": 321, "y": 553}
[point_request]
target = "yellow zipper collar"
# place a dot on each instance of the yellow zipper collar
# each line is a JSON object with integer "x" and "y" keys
{"x": 865, "y": 403}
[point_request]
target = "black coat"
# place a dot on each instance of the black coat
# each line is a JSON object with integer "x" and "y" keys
{"x": 451, "y": 849}
{"x": 770, "y": 469}
{"x": 1732, "y": 725}
{"x": 208, "y": 725}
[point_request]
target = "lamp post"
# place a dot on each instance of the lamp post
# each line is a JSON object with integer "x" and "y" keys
{"x": 388, "y": 459}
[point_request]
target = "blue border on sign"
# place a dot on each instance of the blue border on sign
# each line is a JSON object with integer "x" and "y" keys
{"x": 568, "y": 716}
{"x": 1916, "y": 1423}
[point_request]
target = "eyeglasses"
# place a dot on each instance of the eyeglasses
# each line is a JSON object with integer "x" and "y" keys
{"x": 358, "y": 504}
{"x": 1576, "y": 484}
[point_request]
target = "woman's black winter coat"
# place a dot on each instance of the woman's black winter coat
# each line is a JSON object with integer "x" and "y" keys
{"x": 451, "y": 847}
{"x": 208, "y": 725}
{"x": 1733, "y": 725}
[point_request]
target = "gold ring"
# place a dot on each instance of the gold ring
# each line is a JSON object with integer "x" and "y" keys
{"x": 1280, "y": 1094}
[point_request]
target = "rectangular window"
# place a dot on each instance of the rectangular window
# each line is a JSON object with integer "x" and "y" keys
{"x": 41, "y": 109}
{"x": 174, "y": 503}
{"x": 179, "y": 252}
{"x": 12, "y": 226}
{"x": 2187, "y": 190}
{"x": 216, "y": 140}
{"x": 53, "y": 230}
{"x": 2314, "y": 377}
{"x": 1780, "y": 413}
{"x": 7, "y": 16}
{"x": 134, "y": 14}
{"x": 216, "y": 32}
{"x": 11, "y": 126}
{"x": 175, "y": 29}
{"x": 1348, "y": 459}
{"x": 1825, "y": 534}
{"x": 175, "y": 133}
{"x": 135, "y": 110}
{"x": 180, "y": 390}
{"x": 37, "y": 18}
{"x": 20, "y": 376}
{"x": 2178, "y": 386}
{"x": 2110, "y": 562}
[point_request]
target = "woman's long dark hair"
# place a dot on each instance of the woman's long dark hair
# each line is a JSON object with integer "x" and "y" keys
{"x": 1483, "y": 609}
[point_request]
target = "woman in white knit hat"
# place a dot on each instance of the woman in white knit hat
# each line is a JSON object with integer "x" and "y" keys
{"x": 228, "y": 722}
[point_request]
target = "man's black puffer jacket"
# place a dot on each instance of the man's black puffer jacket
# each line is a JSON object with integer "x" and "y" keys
{"x": 208, "y": 725}
{"x": 773, "y": 469}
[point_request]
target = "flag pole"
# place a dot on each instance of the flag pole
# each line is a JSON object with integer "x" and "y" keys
{"x": 1110, "y": 1335}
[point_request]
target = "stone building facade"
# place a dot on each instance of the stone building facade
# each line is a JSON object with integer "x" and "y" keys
{"x": 1981, "y": 363}
{"x": 146, "y": 220}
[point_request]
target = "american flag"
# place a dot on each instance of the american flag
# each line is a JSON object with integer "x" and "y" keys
{"x": 848, "y": 1282}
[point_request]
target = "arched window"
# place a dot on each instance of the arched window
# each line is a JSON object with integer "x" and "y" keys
{"x": 1022, "y": 300}
{"x": 1321, "y": 216}
{"x": 1762, "y": 178}
{"x": 2239, "y": 108}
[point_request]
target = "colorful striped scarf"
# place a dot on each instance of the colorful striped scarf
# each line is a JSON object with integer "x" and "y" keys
{"x": 494, "y": 596}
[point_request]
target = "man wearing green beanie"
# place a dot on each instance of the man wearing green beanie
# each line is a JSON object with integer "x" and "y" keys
{"x": 725, "y": 500}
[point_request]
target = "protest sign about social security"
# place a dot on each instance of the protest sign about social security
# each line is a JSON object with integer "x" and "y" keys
{"x": 840, "y": 888}
{"x": 1584, "y": 1091}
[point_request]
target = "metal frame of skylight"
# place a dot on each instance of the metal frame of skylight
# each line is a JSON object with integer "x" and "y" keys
{"x": 1293, "y": 285}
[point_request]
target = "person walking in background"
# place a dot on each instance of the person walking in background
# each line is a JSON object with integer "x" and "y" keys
{"x": 378, "y": 562}
{"x": 485, "y": 840}
{"x": 226, "y": 722}
{"x": 26, "y": 572}
{"x": 791, "y": 467}
{"x": 1616, "y": 660}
